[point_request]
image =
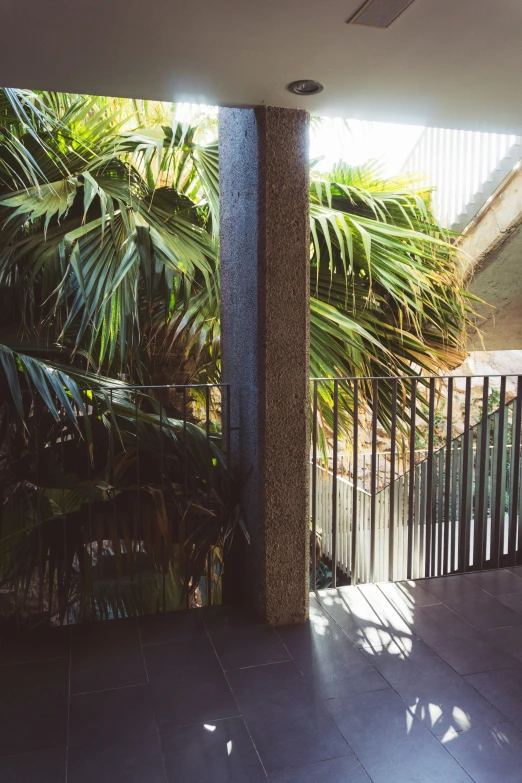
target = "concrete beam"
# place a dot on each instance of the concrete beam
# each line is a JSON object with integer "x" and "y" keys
{"x": 265, "y": 312}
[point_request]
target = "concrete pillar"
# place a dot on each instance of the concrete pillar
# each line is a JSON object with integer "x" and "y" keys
{"x": 265, "y": 316}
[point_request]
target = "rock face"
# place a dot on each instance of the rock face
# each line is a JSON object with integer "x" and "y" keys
{"x": 479, "y": 364}
{"x": 493, "y": 363}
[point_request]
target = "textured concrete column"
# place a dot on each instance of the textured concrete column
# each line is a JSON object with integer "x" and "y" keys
{"x": 264, "y": 203}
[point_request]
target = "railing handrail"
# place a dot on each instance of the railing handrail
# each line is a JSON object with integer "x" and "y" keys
{"x": 145, "y": 386}
{"x": 454, "y": 507}
{"x": 342, "y": 479}
{"x": 413, "y": 377}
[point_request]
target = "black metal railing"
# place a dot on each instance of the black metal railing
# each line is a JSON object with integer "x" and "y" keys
{"x": 119, "y": 505}
{"x": 429, "y": 478}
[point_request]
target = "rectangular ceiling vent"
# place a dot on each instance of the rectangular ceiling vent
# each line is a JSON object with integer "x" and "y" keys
{"x": 380, "y": 13}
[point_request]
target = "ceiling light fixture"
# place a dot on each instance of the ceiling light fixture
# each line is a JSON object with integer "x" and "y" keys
{"x": 380, "y": 13}
{"x": 305, "y": 87}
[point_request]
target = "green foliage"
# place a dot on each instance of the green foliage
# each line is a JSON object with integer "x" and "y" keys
{"x": 114, "y": 511}
{"x": 110, "y": 212}
{"x": 109, "y": 271}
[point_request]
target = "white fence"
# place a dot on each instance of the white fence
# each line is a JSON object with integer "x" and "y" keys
{"x": 465, "y": 167}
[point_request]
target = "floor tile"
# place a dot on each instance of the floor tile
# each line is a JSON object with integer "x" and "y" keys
{"x": 124, "y": 761}
{"x": 503, "y": 688}
{"x": 35, "y": 645}
{"x": 342, "y": 770}
{"x": 407, "y": 595}
{"x": 391, "y": 744}
{"x": 221, "y": 752}
{"x": 287, "y": 722}
{"x": 240, "y": 640}
{"x": 119, "y": 713}
{"x": 171, "y": 626}
{"x": 513, "y": 600}
{"x": 187, "y": 683}
{"x": 508, "y": 639}
{"x": 471, "y": 602}
{"x": 106, "y": 655}
{"x": 366, "y": 617}
{"x": 33, "y": 706}
{"x": 496, "y": 582}
{"x": 458, "y": 643}
{"x": 434, "y": 692}
{"x": 491, "y": 754}
{"x": 47, "y": 766}
{"x": 331, "y": 663}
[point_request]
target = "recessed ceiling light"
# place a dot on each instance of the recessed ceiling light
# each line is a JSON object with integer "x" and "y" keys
{"x": 305, "y": 87}
{"x": 380, "y": 13}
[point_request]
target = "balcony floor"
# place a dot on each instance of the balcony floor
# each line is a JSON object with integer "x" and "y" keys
{"x": 391, "y": 683}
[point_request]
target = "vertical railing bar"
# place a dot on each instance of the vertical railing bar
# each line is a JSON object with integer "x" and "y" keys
{"x": 429, "y": 553}
{"x": 334, "y": 482}
{"x": 64, "y": 512}
{"x": 463, "y": 483}
{"x": 183, "y": 555}
{"x": 228, "y": 426}
{"x": 493, "y": 481}
{"x": 89, "y": 570}
{"x": 209, "y": 478}
{"x": 41, "y": 570}
{"x": 499, "y": 495}
{"x": 138, "y": 502}
{"x": 422, "y": 518}
{"x": 418, "y": 520}
{"x": 411, "y": 483}
{"x": 515, "y": 469}
{"x": 503, "y": 532}
{"x": 455, "y": 462}
{"x": 482, "y": 480}
{"x": 373, "y": 479}
{"x": 114, "y": 510}
{"x": 165, "y": 534}
{"x": 8, "y": 497}
{"x": 518, "y": 531}
{"x": 432, "y": 484}
{"x": 447, "y": 475}
{"x": 314, "y": 487}
{"x": 469, "y": 505}
{"x": 392, "y": 478}
{"x": 355, "y": 479}
{"x": 440, "y": 507}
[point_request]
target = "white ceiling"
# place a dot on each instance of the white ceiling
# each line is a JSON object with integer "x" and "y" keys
{"x": 448, "y": 63}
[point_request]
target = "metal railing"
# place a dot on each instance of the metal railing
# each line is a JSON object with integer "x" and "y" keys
{"x": 116, "y": 507}
{"x": 465, "y": 168}
{"x": 447, "y": 498}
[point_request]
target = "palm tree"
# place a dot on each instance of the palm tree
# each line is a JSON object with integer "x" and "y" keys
{"x": 109, "y": 251}
{"x": 109, "y": 272}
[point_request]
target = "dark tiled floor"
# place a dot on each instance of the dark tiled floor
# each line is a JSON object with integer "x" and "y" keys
{"x": 394, "y": 683}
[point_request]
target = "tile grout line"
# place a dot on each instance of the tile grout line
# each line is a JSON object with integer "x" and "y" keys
{"x": 415, "y": 717}
{"x": 462, "y": 676}
{"x": 233, "y": 696}
{"x": 474, "y": 628}
{"x": 34, "y": 660}
{"x": 68, "y": 713}
{"x": 414, "y": 636}
{"x": 106, "y": 690}
{"x": 322, "y": 761}
{"x": 353, "y": 753}
{"x": 258, "y": 665}
{"x": 152, "y": 700}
